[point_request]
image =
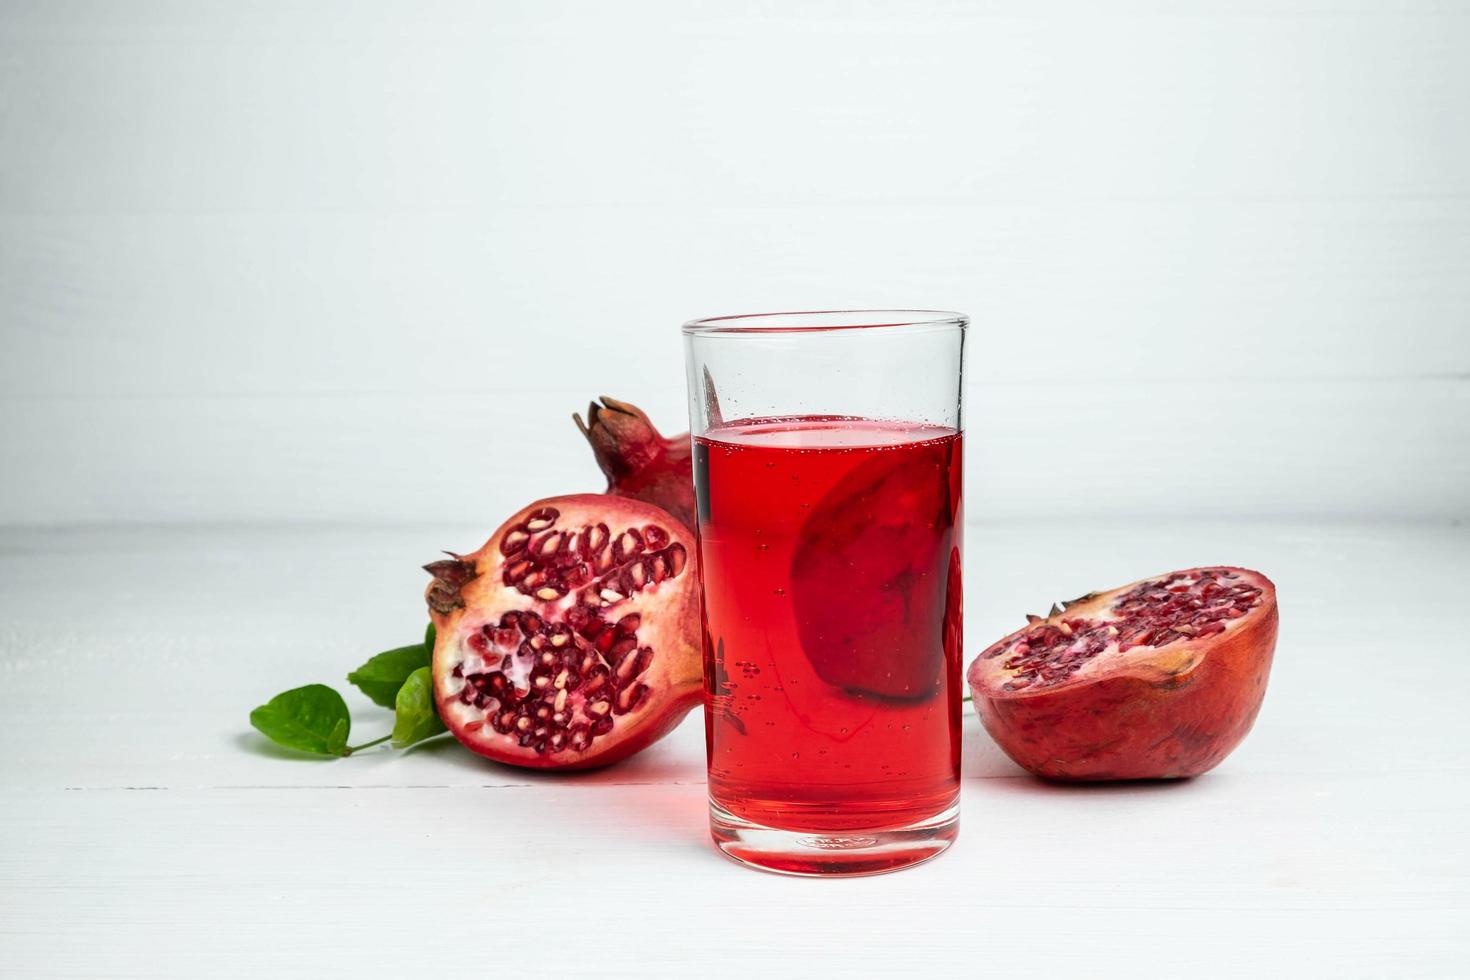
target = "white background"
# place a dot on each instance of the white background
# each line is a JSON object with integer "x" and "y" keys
{"x": 293, "y": 294}
{"x": 332, "y": 261}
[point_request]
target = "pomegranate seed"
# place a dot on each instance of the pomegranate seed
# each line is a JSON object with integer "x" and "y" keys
{"x": 629, "y": 698}
{"x": 631, "y": 667}
{"x": 628, "y": 544}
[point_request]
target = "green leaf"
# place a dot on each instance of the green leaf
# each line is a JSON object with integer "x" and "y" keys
{"x": 312, "y": 719}
{"x": 382, "y": 676}
{"x": 429, "y": 634}
{"x": 415, "y": 718}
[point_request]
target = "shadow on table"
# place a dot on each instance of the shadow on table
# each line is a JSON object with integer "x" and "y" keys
{"x": 254, "y": 743}
{"x": 1024, "y": 784}
{"x": 663, "y": 800}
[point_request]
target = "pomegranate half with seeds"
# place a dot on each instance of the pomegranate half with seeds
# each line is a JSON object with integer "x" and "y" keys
{"x": 571, "y": 639}
{"x": 1159, "y": 679}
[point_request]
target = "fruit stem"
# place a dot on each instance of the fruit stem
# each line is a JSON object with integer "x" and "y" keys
{"x": 366, "y": 745}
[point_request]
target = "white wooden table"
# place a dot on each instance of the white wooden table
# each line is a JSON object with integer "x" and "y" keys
{"x": 147, "y": 831}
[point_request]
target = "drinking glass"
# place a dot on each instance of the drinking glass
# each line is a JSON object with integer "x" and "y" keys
{"x": 828, "y": 475}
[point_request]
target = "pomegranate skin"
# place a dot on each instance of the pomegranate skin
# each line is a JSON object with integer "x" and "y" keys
{"x": 1167, "y": 713}
{"x": 471, "y": 594}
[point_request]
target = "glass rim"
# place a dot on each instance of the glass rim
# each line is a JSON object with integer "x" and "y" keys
{"x": 824, "y": 321}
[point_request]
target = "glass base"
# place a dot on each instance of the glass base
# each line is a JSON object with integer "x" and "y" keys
{"x": 832, "y": 855}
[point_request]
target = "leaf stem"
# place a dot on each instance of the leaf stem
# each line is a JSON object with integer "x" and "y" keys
{"x": 366, "y": 745}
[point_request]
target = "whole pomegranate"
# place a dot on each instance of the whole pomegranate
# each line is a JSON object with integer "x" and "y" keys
{"x": 1158, "y": 679}
{"x": 571, "y": 639}
{"x": 639, "y": 462}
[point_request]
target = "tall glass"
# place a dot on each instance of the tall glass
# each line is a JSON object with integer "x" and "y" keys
{"x": 828, "y": 473}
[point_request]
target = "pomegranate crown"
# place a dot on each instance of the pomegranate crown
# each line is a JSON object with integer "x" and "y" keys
{"x": 622, "y": 437}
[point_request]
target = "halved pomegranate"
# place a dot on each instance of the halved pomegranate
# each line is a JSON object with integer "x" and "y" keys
{"x": 1155, "y": 680}
{"x": 639, "y": 462}
{"x": 571, "y": 639}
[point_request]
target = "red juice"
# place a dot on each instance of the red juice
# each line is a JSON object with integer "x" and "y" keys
{"x": 830, "y": 550}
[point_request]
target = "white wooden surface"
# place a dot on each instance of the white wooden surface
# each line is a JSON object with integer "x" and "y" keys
{"x": 347, "y": 260}
{"x": 145, "y": 831}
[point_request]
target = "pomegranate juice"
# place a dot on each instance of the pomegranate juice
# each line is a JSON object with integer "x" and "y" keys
{"x": 830, "y": 549}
